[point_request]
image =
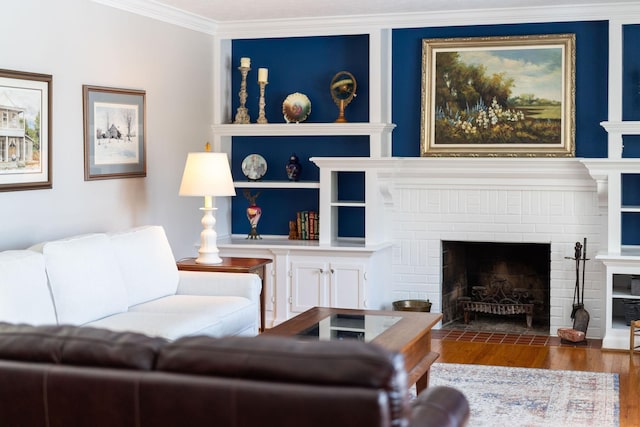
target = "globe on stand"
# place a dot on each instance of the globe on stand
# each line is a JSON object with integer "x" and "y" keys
{"x": 343, "y": 90}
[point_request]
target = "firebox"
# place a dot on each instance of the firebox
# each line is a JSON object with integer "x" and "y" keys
{"x": 519, "y": 273}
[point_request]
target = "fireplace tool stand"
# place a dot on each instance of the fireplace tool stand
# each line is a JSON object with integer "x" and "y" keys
{"x": 580, "y": 316}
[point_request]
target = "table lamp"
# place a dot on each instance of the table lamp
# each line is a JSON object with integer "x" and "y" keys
{"x": 207, "y": 174}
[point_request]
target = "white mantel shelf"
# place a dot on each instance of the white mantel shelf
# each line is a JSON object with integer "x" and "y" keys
{"x": 488, "y": 172}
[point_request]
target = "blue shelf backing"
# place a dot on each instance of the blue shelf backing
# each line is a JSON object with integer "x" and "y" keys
{"x": 305, "y": 65}
{"x": 278, "y": 208}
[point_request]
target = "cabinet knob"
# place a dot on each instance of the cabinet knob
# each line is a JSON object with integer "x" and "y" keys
{"x": 321, "y": 271}
{"x": 332, "y": 271}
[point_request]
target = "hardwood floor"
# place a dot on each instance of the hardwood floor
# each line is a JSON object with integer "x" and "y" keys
{"x": 554, "y": 357}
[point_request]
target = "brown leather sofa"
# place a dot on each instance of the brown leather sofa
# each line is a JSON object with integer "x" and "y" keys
{"x": 79, "y": 376}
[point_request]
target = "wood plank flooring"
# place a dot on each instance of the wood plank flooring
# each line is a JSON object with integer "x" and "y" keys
{"x": 554, "y": 357}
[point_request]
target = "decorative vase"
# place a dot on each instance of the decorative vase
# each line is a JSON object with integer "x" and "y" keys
{"x": 294, "y": 168}
{"x": 254, "y": 212}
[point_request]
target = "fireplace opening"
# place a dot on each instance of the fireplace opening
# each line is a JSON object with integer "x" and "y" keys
{"x": 501, "y": 287}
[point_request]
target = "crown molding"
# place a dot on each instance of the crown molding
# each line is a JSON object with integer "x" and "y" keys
{"x": 362, "y": 24}
{"x": 622, "y": 13}
{"x": 154, "y": 10}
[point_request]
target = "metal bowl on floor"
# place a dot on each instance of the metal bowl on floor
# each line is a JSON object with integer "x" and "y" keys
{"x": 412, "y": 305}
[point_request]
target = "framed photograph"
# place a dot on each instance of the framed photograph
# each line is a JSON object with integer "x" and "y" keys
{"x": 498, "y": 96}
{"x": 114, "y": 133}
{"x": 25, "y": 131}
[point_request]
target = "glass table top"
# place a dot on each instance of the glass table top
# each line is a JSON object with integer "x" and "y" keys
{"x": 363, "y": 327}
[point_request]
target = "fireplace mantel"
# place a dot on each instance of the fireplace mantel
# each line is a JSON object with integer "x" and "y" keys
{"x": 558, "y": 173}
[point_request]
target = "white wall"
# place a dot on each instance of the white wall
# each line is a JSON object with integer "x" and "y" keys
{"x": 82, "y": 42}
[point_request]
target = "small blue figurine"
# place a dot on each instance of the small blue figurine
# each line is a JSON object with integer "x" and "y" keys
{"x": 294, "y": 168}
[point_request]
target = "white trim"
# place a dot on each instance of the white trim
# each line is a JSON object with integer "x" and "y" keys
{"x": 363, "y": 24}
{"x": 161, "y": 12}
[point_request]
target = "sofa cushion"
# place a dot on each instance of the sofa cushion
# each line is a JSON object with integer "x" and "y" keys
{"x": 23, "y": 285}
{"x": 85, "y": 278}
{"x": 70, "y": 345}
{"x": 170, "y": 326}
{"x": 232, "y": 315}
{"x": 271, "y": 358}
{"x": 147, "y": 263}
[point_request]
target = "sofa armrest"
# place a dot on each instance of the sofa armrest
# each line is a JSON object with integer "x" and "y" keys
{"x": 440, "y": 406}
{"x": 247, "y": 285}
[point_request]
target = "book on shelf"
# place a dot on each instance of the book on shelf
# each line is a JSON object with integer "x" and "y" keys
{"x": 308, "y": 225}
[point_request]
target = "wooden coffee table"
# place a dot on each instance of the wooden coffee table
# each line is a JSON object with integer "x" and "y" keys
{"x": 406, "y": 332}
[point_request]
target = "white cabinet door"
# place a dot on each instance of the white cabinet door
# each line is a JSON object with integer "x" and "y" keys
{"x": 326, "y": 284}
{"x": 308, "y": 285}
{"x": 347, "y": 285}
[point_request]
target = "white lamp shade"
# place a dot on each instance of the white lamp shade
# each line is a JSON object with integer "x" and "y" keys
{"x": 207, "y": 174}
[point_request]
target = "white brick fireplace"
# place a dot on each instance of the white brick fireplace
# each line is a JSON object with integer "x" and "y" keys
{"x": 529, "y": 200}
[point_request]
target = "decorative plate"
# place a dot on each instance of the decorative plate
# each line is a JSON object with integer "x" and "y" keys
{"x": 254, "y": 166}
{"x": 296, "y": 108}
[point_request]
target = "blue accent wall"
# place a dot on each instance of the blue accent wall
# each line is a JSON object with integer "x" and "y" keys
{"x": 307, "y": 65}
{"x": 592, "y": 48}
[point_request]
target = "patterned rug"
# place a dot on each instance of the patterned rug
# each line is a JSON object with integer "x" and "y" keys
{"x": 502, "y": 396}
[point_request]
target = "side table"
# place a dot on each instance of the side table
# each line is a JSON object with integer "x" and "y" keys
{"x": 233, "y": 265}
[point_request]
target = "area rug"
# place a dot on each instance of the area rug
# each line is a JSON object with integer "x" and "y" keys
{"x": 503, "y": 396}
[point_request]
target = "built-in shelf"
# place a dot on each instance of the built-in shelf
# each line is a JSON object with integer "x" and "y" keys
{"x": 276, "y": 184}
{"x": 625, "y": 128}
{"x": 624, "y": 295}
{"x": 350, "y": 204}
{"x": 630, "y": 209}
{"x": 618, "y": 322}
{"x": 297, "y": 129}
{"x": 283, "y": 242}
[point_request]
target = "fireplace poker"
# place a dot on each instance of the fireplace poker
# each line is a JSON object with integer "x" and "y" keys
{"x": 576, "y": 291}
{"x": 584, "y": 263}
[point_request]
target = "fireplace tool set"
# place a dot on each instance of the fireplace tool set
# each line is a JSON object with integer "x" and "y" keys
{"x": 579, "y": 315}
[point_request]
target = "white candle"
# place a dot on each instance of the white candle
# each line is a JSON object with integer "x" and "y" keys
{"x": 245, "y": 62}
{"x": 263, "y": 73}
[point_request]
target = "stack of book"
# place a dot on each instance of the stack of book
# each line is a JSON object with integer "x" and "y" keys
{"x": 307, "y": 225}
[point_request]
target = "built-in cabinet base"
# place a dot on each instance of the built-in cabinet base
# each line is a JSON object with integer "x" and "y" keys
{"x": 302, "y": 277}
{"x": 620, "y": 270}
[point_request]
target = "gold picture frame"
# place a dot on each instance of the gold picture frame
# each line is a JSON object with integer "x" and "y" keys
{"x": 498, "y": 96}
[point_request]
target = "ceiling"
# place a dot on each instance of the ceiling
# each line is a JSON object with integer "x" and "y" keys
{"x": 240, "y": 10}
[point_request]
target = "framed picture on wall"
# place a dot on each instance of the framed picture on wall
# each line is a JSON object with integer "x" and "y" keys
{"x": 114, "y": 133}
{"x": 25, "y": 130}
{"x": 498, "y": 96}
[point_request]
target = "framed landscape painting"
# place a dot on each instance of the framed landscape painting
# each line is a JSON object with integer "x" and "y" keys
{"x": 498, "y": 96}
{"x": 25, "y": 131}
{"x": 114, "y": 133}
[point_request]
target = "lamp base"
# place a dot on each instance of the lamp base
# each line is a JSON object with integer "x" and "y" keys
{"x": 208, "y": 258}
{"x": 208, "y": 252}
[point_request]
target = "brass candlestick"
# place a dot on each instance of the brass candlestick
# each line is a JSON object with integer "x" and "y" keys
{"x": 242, "y": 114}
{"x": 261, "y": 116}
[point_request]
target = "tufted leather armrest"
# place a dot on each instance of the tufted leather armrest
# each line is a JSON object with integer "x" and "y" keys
{"x": 440, "y": 406}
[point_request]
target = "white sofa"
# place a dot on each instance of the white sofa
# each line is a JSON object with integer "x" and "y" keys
{"x": 124, "y": 281}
